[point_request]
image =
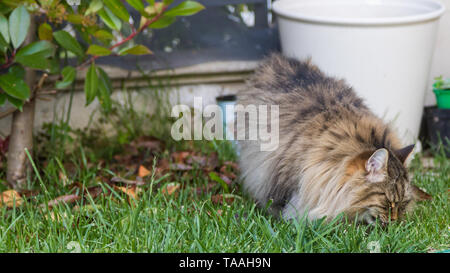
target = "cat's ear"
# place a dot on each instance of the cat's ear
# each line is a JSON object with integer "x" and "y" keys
{"x": 376, "y": 166}
{"x": 420, "y": 195}
{"x": 404, "y": 154}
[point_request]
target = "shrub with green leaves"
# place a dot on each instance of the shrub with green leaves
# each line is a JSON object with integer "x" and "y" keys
{"x": 99, "y": 24}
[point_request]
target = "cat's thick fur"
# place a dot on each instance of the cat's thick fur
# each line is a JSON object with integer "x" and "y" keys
{"x": 334, "y": 154}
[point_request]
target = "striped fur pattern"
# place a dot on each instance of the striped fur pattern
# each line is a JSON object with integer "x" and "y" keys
{"x": 334, "y": 155}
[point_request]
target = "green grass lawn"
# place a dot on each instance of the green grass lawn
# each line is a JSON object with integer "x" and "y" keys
{"x": 192, "y": 222}
{"x": 188, "y": 220}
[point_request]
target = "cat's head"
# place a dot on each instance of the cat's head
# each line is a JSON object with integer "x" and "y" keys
{"x": 383, "y": 189}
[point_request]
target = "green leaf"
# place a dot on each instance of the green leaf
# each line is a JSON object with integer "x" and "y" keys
{"x": 162, "y": 22}
{"x": 185, "y": 9}
{"x": 19, "y": 22}
{"x": 11, "y": 3}
{"x": 137, "y": 4}
{"x": 118, "y": 9}
{"x": 3, "y": 44}
{"x": 91, "y": 84}
{"x": 97, "y": 50}
{"x": 84, "y": 32}
{"x": 110, "y": 19}
{"x": 167, "y": 2}
{"x": 35, "y": 55}
{"x": 136, "y": 50}
{"x": 45, "y": 32}
{"x": 94, "y": 6}
{"x": 14, "y": 86}
{"x": 16, "y": 102}
{"x": 105, "y": 90}
{"x": 68, "y": 42}
{"x": 18, "y": 71}
{"x": 76, "y": 19}
{"x": 103, "y": 35}
{"x": 45, "y": 48}
{"x": 68, "y": 73}
{"x": 2, "y": 98}
{"x": 219, "y": 180}
{"x": 54, "y": 66}
{"x": 4, "y": 31}
{"x": 5, "y": 9}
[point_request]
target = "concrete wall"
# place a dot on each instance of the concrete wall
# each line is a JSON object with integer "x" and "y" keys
{"x": 208, "y": 81}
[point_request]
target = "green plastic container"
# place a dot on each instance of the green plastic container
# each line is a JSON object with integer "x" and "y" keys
{"x": 442, "y": 97}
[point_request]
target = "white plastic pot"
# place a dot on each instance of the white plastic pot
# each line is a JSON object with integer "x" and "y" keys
{"x": 383, "y": 48}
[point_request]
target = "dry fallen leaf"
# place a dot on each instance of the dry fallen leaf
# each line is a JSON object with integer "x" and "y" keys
{"x": 195, "y": 159}
{"x": 218, "y": 213}
{"x": 64, "y": 179}
{"x": 179, "y": 157}
{"x": 143, "y": 172}
{"x": 171, "y": 188}
{"x": 232, "y": 165}
{"x": 226, "y": 179}
{"x": 94, "y": 191}
{"x": 130, "y": 191}
{"x": 147, "y": 142}
{"x": 127, "y": 181}
{"x": 180, "y": 167}
{"x": 227, "y": 198}
{"x": 10, "y": 198}
{"x": 205, "y": 189}
{"x": 69, "y": 198}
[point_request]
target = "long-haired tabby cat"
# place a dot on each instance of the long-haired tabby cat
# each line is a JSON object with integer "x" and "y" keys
{"x": 334, "y": 154}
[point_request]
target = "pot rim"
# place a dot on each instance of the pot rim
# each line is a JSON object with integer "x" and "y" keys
{"x": 432, "y": 11}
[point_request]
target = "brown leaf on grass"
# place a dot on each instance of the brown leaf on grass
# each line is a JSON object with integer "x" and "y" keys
{"x": 28, "y": 193}
{"x": 212, "y": 162}
{"x": 10, "y": 198}
{"x": 179, "y": 157}
{"x": 147, "y": 142}
{"x": 68, "y": 199}
{"x": 127, "y": 181}
{"x": 171, "y": 189}
{"x": 124, "y": 158}
{"x": 232, "y": 165}
{"x": 63, "y": 177}
{"x": 180, "y": 167}
{"x": 218, "y": 213}
{"x": 224, "y": 171}
{"x": 70, "y": 167}
{"x": 143, "y": 172}
{"x": 209, "y": 163}
{"x": 94, "y": 191}
{"x": 130, "y": 191}
{"x": 227, "y": 198}
{"x": 205, "y": 188}
{"x": 163, "y": 165}
{"x": 195, "y": 159}
{"x": 226, "y": 179}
